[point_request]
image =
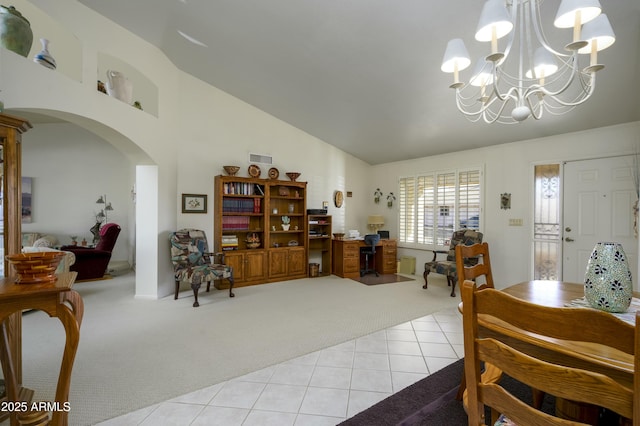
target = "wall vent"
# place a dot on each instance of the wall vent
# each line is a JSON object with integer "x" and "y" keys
{"x": 260, "y": 158}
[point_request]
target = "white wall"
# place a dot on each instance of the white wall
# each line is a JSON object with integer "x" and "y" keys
{"x": 507, "y": 168}
{"x": 198, "y": 129}
{"x": 71, "y": 168}
{"x": 222, "y": 130}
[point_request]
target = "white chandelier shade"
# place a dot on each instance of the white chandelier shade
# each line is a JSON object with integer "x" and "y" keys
{"x": 524, "y": 75}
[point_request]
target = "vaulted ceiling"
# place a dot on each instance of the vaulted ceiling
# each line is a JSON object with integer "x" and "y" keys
{"x": 364, "y": 75}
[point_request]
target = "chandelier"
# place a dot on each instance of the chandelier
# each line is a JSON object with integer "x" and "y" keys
{"x": 528, "y": 76}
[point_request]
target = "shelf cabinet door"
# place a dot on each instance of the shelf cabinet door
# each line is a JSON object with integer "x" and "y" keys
{"x": 247, "y": 266}
{"x": 286, "y": 262}
{"x": 236, "y": 261}
{"x": 255, "y": 265}
{"x": 278, "y": 263}
{"x": 297, "y": 264}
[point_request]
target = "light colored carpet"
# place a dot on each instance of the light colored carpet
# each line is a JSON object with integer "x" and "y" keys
{"x": 134, "y": 353}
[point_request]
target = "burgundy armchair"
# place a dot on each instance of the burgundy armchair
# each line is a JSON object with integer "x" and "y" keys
{"x": 92, "y": 263}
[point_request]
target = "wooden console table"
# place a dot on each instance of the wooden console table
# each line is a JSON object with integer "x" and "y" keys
{"x": 58, "y": 300}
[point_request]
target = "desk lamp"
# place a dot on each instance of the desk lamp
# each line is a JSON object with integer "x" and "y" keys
{"x": 375, "y": 222}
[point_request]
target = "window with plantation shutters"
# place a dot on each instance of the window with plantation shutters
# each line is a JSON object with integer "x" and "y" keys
{"x": 433, "y": 205}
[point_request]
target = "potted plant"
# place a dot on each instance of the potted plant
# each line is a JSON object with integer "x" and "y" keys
{"x": 390, "y": 199}
{"x": 286, "y": 222}
{"x": 377, "y": 195}
{"x": 74, "y": 240}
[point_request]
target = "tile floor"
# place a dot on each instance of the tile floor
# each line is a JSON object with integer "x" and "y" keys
{"x": 321, "y": 388}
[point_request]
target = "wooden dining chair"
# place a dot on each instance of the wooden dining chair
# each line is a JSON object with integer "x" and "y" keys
{"x": 515, "y": 350}
{"x": 473, "y": 262}
{"x": 481, "y": 267}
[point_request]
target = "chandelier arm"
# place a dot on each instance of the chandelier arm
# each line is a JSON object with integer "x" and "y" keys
{"x": 535, "y": 12}
{"x": 495, "y": 99}
{"x": 554, "y": 95}
{"x": 511, "y": 35}
{"x": 540, "y": 110}
{"x": 485, "y": 108}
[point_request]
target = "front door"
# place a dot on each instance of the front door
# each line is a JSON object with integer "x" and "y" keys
{"x": 599, "y": 197}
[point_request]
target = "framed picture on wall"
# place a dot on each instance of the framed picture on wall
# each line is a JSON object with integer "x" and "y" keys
{"x": 26, "y": 200}
{"x": 194, "y": 203}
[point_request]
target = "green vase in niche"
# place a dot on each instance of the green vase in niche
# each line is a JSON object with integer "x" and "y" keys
{"x": 607, "y": 281}
{"x": 15, "y": 31}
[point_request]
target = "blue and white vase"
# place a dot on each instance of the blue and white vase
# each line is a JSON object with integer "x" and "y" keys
{"x": 607, "y": 281}
{"x": 44, "y": 58}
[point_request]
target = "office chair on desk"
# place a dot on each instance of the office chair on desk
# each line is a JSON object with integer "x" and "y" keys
{"x": 371, "y": 240}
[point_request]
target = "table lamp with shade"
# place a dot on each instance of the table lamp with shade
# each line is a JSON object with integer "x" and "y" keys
{"x": 375, "y": 222}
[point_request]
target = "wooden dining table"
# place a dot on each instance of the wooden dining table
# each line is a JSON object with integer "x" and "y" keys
{"x": 595, "y": 357}
{"x": 58, "y": 300}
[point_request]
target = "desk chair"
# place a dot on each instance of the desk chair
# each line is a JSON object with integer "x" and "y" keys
{"x": 370, "y": 254}
{"x": 537, "y": 362}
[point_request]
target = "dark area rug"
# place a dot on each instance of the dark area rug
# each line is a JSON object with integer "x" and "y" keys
{"x": 371, "y": 279}
{"x": 432, "y": 402}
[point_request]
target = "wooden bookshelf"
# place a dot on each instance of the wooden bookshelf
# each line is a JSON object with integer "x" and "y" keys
{"x": 251, "y": 210}
{"x": 320, "y": 241}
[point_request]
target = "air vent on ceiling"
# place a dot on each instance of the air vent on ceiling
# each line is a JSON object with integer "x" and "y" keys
{"x": 259, "y": 158}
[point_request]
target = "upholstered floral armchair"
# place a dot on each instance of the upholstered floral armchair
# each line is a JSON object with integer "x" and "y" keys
{"x": 193, "y": 263}
{"x": 448, "y": 266}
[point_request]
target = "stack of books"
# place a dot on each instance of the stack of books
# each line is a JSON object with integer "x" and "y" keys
{"x": 229, "y": 242}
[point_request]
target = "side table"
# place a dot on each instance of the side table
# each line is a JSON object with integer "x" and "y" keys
{"x": 57, "y": 299}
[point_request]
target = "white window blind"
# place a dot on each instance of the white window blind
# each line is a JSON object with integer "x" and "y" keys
{"x": 407, "y": 206}
{"x": 469, "y": 199}
{"x": 433, "y": 205}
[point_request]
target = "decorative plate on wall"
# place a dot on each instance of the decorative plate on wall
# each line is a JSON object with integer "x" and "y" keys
{"x": 274, "y": 173}
{"x": 254, "y": 171}
{"x": 338, "y": 198}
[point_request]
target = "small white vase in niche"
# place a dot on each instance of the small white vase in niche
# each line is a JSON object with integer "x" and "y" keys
{"x": 607, "y": 281}
{"x": 119, "y": 86}
{"x": 44, "y": 58}
{"x": 285, "y": 226}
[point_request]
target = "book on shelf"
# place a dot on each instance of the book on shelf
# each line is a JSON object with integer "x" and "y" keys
{"x": 238, "y": 223}
{"x": 241, "y": 188}
{"x": 241, "y": 205}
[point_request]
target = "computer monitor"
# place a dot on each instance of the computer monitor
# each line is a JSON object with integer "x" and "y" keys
{"x": 384, "y": 235}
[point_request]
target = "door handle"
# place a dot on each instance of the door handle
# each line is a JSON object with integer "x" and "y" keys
{"x": 569, "y": 239}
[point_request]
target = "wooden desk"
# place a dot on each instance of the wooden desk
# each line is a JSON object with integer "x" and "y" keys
{"x": 58, "y": 300}
{"x": 590, "y": 356}
{"x": 346, "y": 257}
